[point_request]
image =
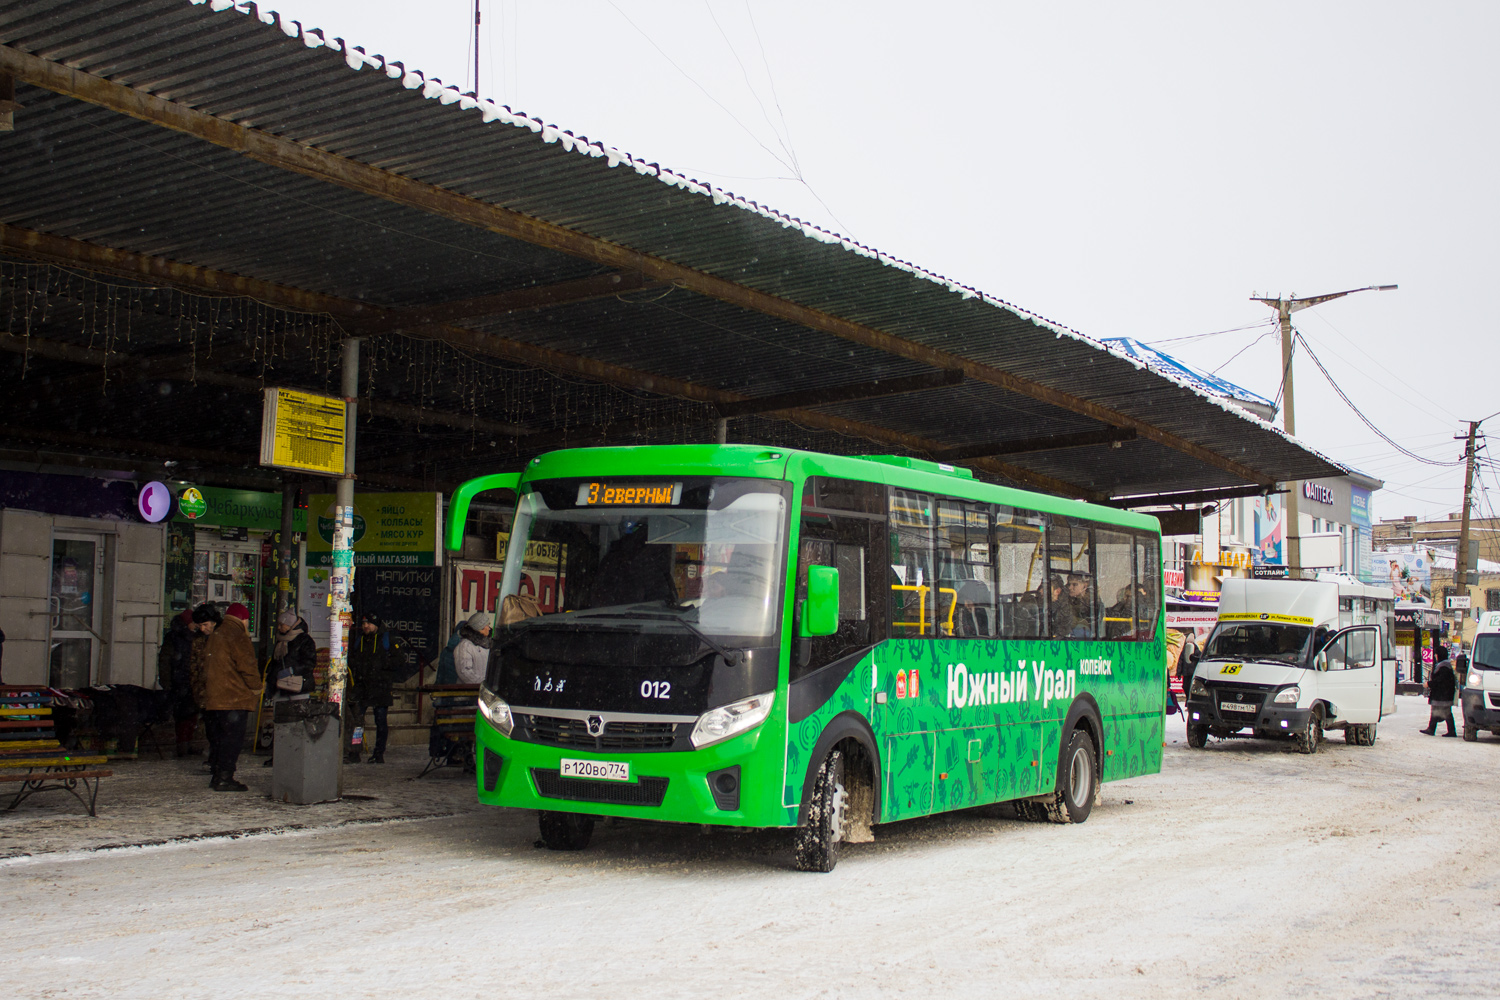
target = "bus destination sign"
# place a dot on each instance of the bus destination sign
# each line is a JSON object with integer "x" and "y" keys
{"x": 629, "y": 494}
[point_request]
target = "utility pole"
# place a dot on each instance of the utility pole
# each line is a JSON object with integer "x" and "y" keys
{"x": 1462, "y": 567}
{"x": 476, "y": 48}
{"x": 1284, "y": 308}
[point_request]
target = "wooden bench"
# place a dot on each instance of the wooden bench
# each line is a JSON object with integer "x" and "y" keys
{"x": 31, "y": 756}
{"x": 454, "y": 709}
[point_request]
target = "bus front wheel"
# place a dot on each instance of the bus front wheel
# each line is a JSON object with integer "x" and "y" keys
{"x": 1197, "y": 736}
{"x": 817, "y": 847}
{"x": 565, "y": 831}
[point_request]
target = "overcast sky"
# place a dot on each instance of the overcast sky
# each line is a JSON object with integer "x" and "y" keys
{"x": 1128, "y": 170}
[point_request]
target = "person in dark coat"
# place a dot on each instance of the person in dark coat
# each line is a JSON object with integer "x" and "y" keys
{"x": 1442, "y": 687}
{"x": 293, "y": 659}
{"x": 1060, "y": 609}
{"x": 174, "y": 676}
{"x": 374, "y": 659}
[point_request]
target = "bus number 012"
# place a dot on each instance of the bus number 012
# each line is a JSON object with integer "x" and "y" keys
{"x": 656, "y": 689}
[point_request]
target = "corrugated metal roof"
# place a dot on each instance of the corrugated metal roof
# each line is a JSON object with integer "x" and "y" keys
{"x": 79, "y": 171}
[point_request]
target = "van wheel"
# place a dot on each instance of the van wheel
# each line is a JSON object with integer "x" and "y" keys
{"x": 1197, "y": 736}
{"x": 1471, "y": 735}
{"x": 565, "y": 831}
{"x": 1310, "y": 735}
{"x": 1078, "y": 786}
{"x": 817, "y": 846}
{"x": 1361, "y": 735}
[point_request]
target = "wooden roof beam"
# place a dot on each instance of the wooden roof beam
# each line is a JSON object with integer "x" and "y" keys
{"x": 873, "y": 389}
{"x": 1052, "y": 442}
{"x": 288, "y": 154}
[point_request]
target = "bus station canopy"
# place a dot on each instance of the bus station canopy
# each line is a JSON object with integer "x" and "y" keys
{"x": 202, "y": 199}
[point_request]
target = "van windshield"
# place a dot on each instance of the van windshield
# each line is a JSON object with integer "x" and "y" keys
{"x": 1258, "y": 641}
{"x": 1487, "y": 652}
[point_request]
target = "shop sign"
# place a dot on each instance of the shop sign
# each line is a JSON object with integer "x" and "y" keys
{"x": 154, "y": 502}
{"x": 1174, "y": 579}
{"x": 190, "y": 503}
{"x": 225, "y": 508}
{"x": 1226, "y": 560}
{"x": 303, "y": 431}
{"x": 1270, "y": 572}
{"x": 390, "y": 529}
{"x": 1458, "y": 602}
{"x": 1318, "y": 493}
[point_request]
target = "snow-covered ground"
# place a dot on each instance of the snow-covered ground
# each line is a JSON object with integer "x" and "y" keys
{"x": 1243, "y": 870}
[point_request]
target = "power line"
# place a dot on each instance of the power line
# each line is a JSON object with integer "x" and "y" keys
{"x": 1367, "y": 422}
{"x": 1215, "y": 333}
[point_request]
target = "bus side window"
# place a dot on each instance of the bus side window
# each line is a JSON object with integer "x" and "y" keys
{"x": 965, "y": 589}
{"x": 1076, "y": 613}
{"x": 912, "y": 595}
{"x": 1020, "y": 572}
{"x": 1148, "y": 586}
{"x": 1116, "y": 582}
{"x": 853, "y": 547}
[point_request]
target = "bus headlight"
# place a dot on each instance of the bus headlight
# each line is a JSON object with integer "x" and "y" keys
{"x": 1198, "y": 690}
{"x": 1288, "y": 696}
{"x": 721, "y": 723}
{"x": 494, "y": 708}
{"x": 1474, "y": 679}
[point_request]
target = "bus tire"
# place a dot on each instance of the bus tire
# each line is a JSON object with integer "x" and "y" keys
{"x": 1360, "y": 734}
{"x": 1471, "y": 735}
{"x": 1197, "y": 736}
{"x": 1309, "y": 736}
{"x": 1077, "y": 786}
{"x": 818, "y": 840}
{"x": 565, "y": 831}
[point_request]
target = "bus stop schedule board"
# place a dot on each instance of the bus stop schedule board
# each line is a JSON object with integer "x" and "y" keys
{"x": 303, "y": 431}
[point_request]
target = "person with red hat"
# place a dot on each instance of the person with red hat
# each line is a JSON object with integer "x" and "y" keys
{"x": 231, "y": 691}
{"x": 174, "y": 676}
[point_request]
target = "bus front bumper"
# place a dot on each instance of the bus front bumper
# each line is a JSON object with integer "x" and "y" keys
{"x": 727, "y": 783}
{"x": 1266, "y": 718}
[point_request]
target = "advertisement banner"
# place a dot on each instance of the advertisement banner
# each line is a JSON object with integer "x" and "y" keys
{"x": 1359, "y": 506}
{"x": 1409, "y": 574}
{"x": 390, "y": 529}
{"x": 1270, "y": 532}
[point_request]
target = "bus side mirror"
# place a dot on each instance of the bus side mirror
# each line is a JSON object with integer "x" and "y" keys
{"x": 820, "y": 610}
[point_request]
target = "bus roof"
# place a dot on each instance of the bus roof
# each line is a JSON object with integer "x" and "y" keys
{"x": 769, "y": 462}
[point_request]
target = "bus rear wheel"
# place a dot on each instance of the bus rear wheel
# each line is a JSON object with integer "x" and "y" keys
{"x": 1077, "y": 786}
{"x": 565, "y": 831}
{"x": 817, "y": 846}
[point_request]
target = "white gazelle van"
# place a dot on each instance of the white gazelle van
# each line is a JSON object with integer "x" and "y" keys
{"x": 1295, "y": 658}
{"x": 1481, "y": 684}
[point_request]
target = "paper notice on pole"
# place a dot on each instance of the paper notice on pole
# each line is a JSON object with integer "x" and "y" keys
{"x": 303, "y": 431}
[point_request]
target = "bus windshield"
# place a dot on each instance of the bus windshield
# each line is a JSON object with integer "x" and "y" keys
{"x": 1258, "y": 641}
{"x": 707, "y": 554}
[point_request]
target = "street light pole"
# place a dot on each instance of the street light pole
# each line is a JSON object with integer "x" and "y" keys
{"x": 1284, "y": 308}
{"x": 1461, "y": 559}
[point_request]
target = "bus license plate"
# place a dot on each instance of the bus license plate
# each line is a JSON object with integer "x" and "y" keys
{"x": 1235, "y": 706}
{"x": 602, "y": 770}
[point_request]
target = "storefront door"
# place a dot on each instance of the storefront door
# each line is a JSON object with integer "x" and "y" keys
{"x": 77, "y": 572}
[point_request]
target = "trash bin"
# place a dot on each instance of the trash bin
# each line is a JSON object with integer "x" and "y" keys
{"x": 308, "y": 743}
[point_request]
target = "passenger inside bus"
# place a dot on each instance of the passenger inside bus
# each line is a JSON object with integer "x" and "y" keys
{"x": 1061, "y": 622}
{"x": 974, "y": 617}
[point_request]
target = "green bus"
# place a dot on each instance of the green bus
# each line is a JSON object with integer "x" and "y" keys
{"x": 761, "y": 637}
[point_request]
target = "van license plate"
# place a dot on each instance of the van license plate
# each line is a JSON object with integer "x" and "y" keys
{"x": 603, "y": 770}
{"x": 1235, "y": 706}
